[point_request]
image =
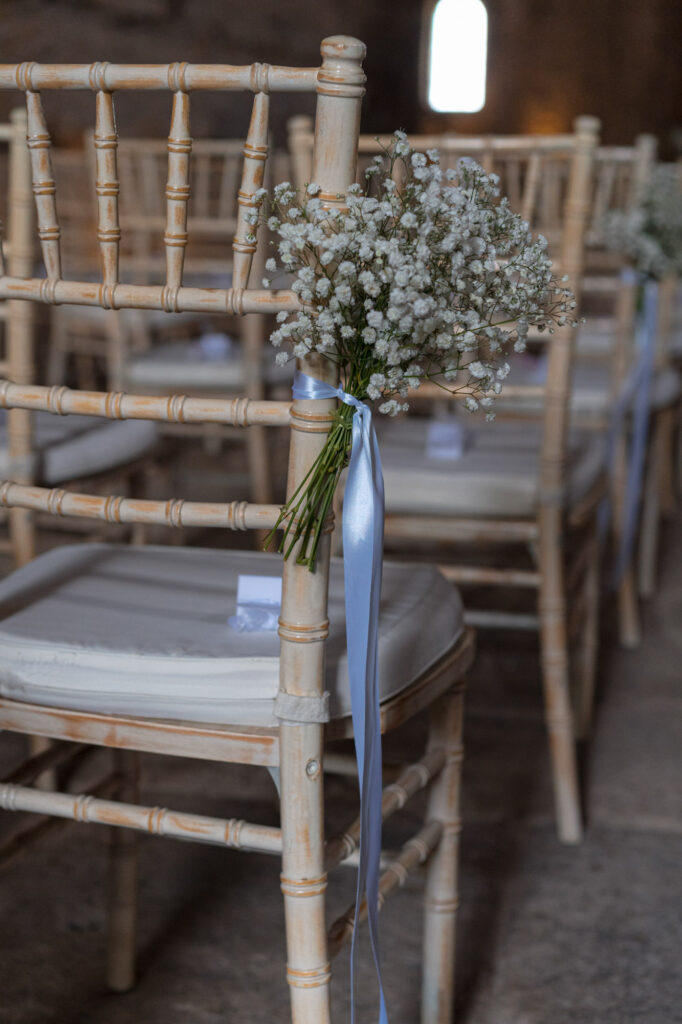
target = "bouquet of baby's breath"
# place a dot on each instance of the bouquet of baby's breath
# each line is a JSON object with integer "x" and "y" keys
{"x": 650, "y": 234}
{"x": 432, "y": 279}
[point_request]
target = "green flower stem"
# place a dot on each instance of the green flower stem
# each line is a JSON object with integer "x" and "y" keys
{"x": 304, "y": 515}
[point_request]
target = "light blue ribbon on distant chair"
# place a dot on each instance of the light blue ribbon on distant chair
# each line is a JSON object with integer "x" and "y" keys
{"x": 635, "y": 397}
{"x": 646, "y": 343}
{"x": 363, "y": 536}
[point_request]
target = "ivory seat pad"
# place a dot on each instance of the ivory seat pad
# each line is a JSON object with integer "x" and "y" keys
{"x": 591, "y": 390}
{"x": 178, "y": 365}
{"x": 497, "y": 474}
{"x": 71, "y": 447}
{"x": 143, "y": 631}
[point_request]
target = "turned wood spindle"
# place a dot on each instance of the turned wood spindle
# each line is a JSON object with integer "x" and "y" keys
{"x": 44, "y": 187}
{"x": 253, "y": 175}
{"x": 107, "y": 187}
{"x": 178, "y": 187}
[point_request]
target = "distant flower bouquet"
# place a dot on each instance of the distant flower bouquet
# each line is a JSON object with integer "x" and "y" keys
{"x": 432, "y": 279}
{"x": 650, "y": 234}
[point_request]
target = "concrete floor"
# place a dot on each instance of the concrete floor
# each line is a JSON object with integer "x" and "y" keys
{"x": 548, "y": 934}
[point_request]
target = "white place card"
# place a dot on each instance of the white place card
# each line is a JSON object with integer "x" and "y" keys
{"x": 259, "y": 590}
{"x": 259, "y": 600}
{"x": 445, "y": 439}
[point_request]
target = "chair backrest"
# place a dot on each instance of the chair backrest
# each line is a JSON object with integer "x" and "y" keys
{"x": 621, "y": 174}
{"x": 339, "y": 85}
{"x": 549, "y": 180}
{"x": 212, "y": 209}
{"x": 20, "y": 319}
{"x": 533, "y": 169}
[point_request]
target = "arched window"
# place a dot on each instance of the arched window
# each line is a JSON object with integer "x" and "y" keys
{"x": 458, "y": 52}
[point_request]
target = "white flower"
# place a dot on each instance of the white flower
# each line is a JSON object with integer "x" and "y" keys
{"x": 435, "y": 278}
{"x": 271, "y": 266}
{"x": 392, "y": 407}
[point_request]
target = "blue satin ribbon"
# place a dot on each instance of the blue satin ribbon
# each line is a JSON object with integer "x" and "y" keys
{"x": 646, "y": 344}
{"x": 363, "y": 537}
{"x": 635, "y": 397}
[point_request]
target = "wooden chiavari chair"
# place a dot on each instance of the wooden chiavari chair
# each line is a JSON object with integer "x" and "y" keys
{"x": 606, "y": 357}
{"x": 534, "y": 487}
{"x": 147, "y": 662}
{"x": 605, "y": 351}
{"x": 36, "y": 447}
{"x": 623, "y": 172}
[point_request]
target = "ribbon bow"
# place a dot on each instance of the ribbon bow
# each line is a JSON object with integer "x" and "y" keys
{"x": 363, "y": 535}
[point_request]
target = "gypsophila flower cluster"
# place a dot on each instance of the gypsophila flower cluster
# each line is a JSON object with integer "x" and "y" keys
{"x": 425, "y": 274}
{"x": 421, "y": 281}
{"x": 650, "y": 234}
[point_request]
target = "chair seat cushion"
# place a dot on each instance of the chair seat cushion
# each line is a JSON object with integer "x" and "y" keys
{"x": 143, "y": 631}
{"x": 184, "y": 365}
{"x": 497, "y": 474}
{"x": 71, "y": 447}
{"x": 591, "y": 391}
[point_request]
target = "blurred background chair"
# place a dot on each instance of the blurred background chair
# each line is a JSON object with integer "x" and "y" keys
{"x": 534, "y": 487}
{"x": 37, "y": 448}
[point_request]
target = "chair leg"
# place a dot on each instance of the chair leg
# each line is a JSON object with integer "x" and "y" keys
{"x": 441, "y": 898}
{"x": 257, "y": 445}
{"x": 587, "y": 655}
{"x": 629, "y": 624}
{"x": 137, "y": 487}
{"x": 651, "y": 508}
{"x": 304, "y": 879}
{"x": 253, "y": 339}
{"x": 123, "y": 886}
{"x": 666, "y": 441}
{"x": 47, "y": 780}
{"x": 556, "y": 681}
{"x": 55, "y": 372}
{"x": 22, "y": 532}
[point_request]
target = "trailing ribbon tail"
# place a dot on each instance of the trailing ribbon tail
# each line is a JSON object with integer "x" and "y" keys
{"x": 363, "y": 534}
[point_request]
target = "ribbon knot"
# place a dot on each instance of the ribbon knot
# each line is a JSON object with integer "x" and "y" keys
{"x": 363, "y": 538}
